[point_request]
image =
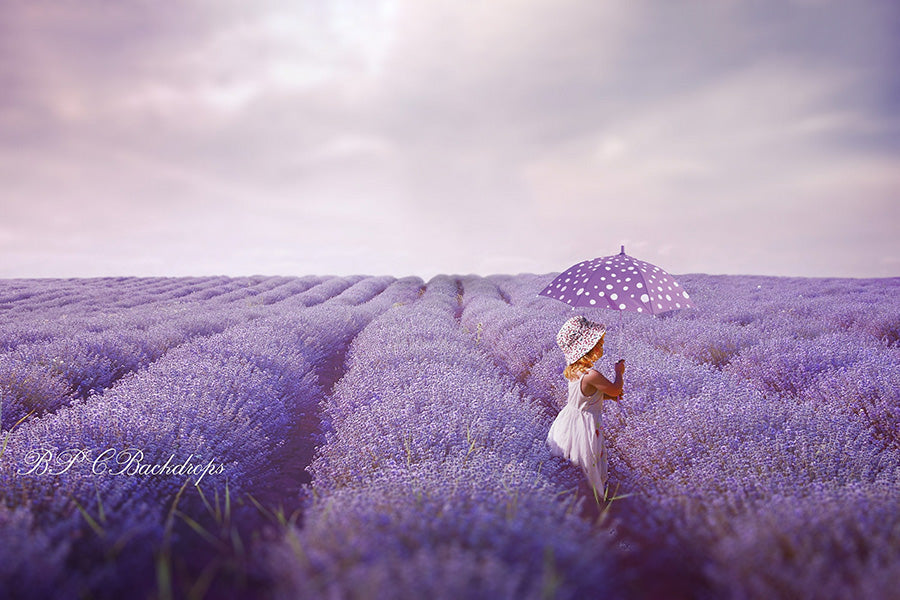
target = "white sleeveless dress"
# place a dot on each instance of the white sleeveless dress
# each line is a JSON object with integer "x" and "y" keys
{"x": 577, "y": 434}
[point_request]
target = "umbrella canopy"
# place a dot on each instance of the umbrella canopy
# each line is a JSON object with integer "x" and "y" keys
{"x": 618, "y": 282}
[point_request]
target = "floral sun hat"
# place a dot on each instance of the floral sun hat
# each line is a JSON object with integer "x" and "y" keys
{"x": 577, "y": 336}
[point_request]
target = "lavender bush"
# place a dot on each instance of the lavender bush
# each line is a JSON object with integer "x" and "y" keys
{"x": 384, "y": 438}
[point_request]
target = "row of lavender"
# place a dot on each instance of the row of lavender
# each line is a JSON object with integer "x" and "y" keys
{"x": 435, "y": 480}
{"x": 62, "y": 340}
{"x": 786, "y": 477}
{"x": 763, "y": 425}
{"x": 240, "y": 392}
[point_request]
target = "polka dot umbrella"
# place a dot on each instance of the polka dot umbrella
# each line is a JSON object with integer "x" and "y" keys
{"x": 618, "y": 282}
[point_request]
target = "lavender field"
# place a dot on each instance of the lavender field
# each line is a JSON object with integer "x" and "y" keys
{"x": 381, "y": 437}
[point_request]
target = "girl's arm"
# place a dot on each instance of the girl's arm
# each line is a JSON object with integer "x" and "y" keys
{"x": 594, "y": 380}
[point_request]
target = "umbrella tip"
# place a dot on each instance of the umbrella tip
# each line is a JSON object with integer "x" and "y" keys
{"x": 623, "y": 250}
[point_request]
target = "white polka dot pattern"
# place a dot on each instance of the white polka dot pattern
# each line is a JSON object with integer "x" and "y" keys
{"x": 618, "y": 282}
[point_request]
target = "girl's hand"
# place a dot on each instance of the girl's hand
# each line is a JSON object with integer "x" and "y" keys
{"x": 620, "y": 367}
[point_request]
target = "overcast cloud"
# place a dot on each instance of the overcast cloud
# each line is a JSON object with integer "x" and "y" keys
{"x": 416, "y": 137}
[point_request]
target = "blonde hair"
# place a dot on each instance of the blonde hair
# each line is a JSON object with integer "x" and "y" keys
{"x": 573, "y": 371}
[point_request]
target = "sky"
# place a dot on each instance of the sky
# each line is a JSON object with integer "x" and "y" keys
{"x": 419, "y": 137}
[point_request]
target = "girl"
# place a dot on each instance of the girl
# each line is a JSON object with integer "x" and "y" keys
{"x": 576, "y": 433}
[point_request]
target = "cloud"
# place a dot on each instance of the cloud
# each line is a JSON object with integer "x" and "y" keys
{"x": 413, "y": 136}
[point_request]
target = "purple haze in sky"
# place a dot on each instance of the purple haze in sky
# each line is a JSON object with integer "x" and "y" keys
{"x": 416, "y": 137}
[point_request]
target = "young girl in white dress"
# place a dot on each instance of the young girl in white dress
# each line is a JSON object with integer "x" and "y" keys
{"x": 577, "y": 433}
